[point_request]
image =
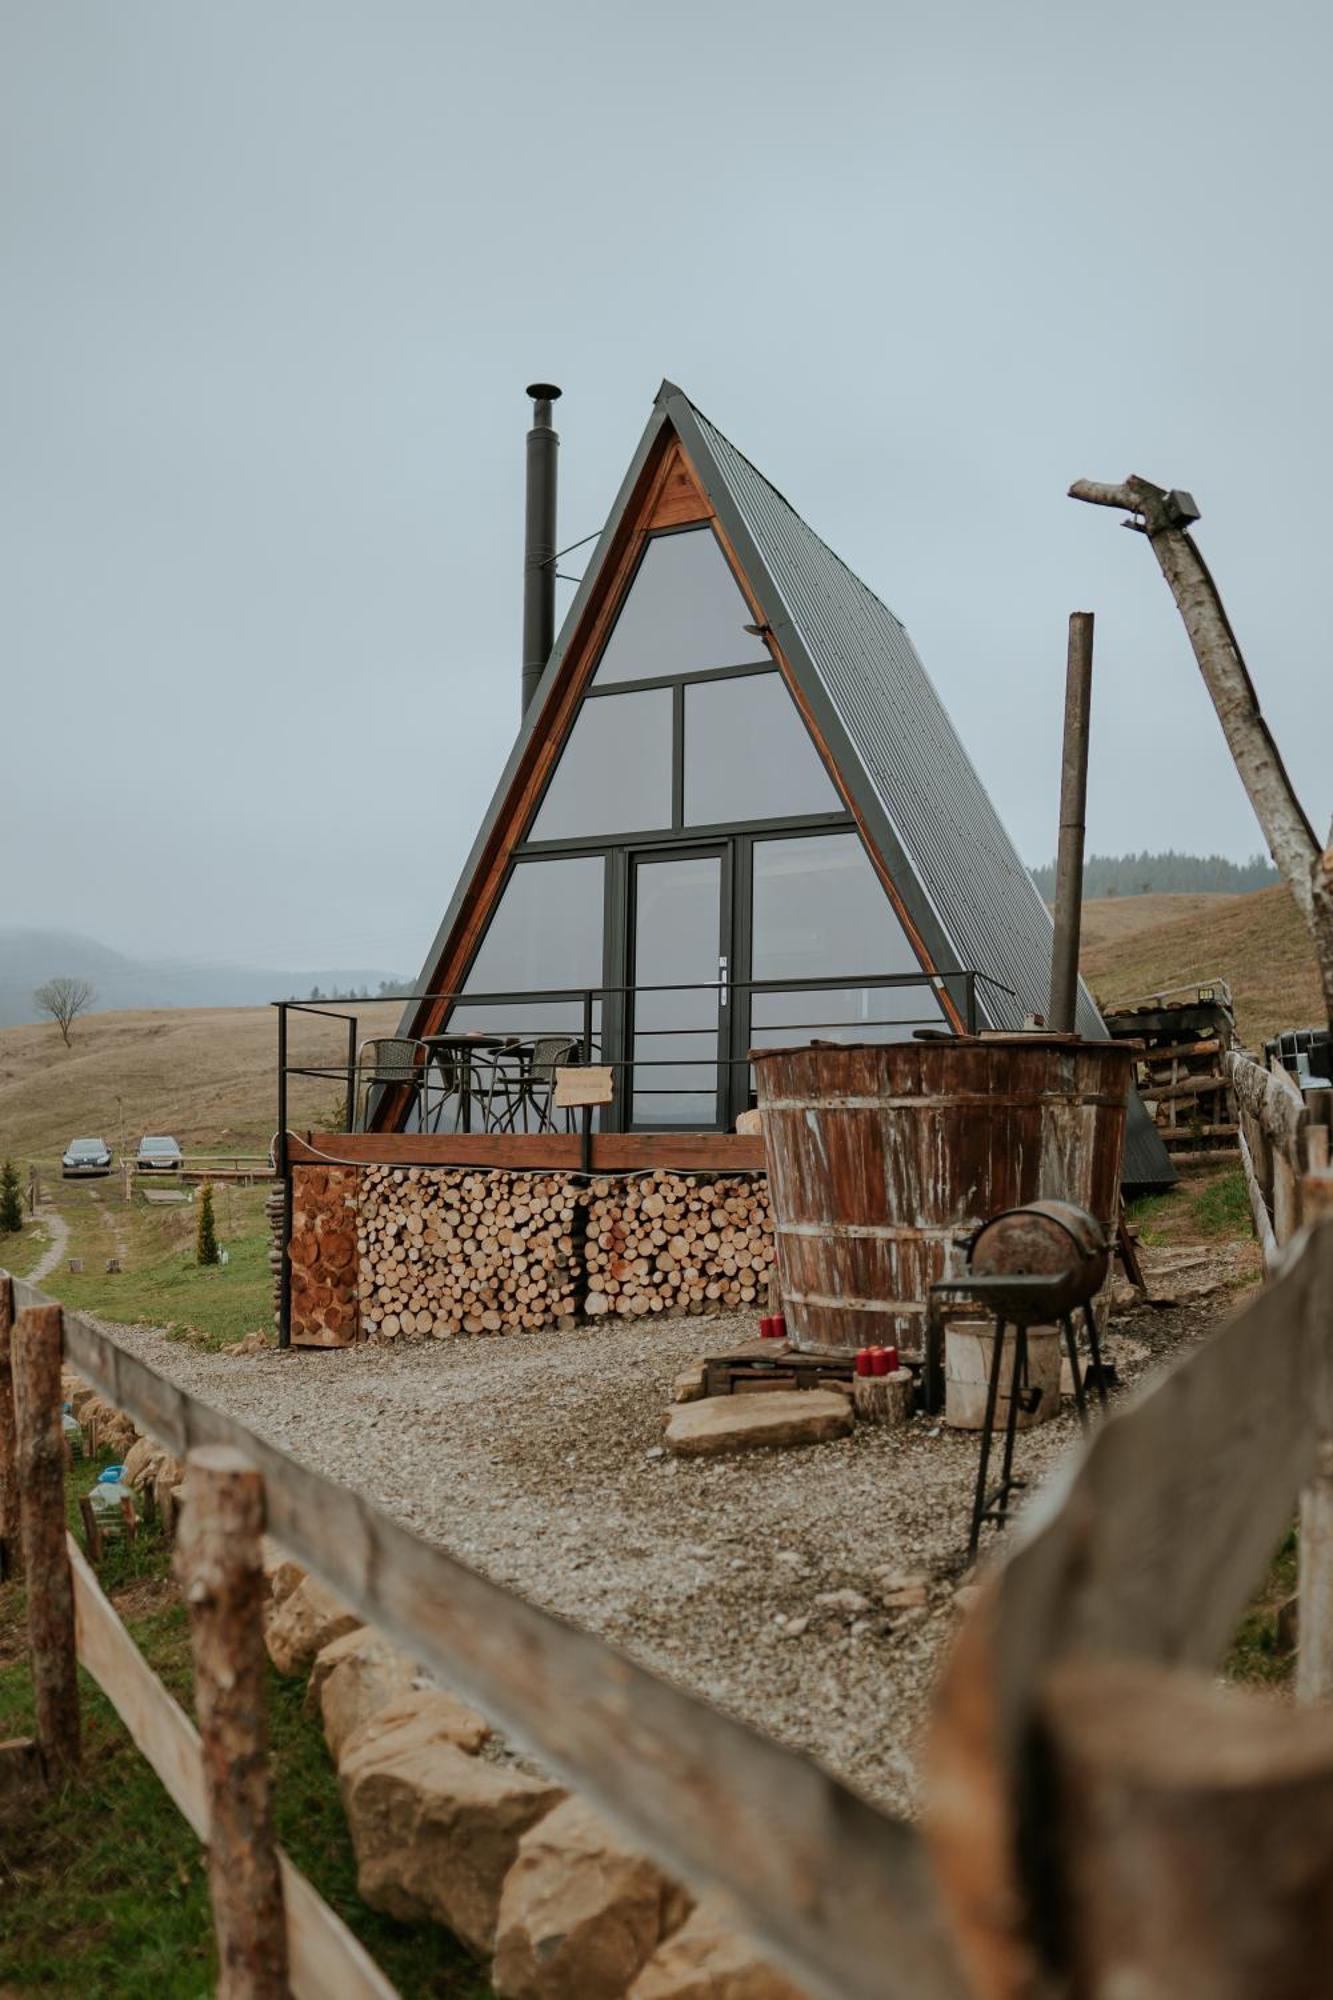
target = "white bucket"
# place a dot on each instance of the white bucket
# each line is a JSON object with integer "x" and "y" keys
{"x": 968, "y": 1347}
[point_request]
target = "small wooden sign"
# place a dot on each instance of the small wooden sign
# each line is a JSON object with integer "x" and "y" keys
{"x": 584, "y": 1083}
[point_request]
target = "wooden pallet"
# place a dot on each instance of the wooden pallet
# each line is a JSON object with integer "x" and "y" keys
{"x": 773, "y": 1364}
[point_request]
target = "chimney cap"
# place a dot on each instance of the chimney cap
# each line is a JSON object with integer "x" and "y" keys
{"x": 542, "y": 392}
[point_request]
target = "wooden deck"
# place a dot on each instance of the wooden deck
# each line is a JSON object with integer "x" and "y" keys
{"x": 612, "y": 1152}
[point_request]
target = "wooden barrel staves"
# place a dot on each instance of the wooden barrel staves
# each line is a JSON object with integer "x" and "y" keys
{"x": 882, "y": 1156}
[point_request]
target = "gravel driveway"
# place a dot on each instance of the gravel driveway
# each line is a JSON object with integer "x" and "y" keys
{"x": 537, "y": 1459}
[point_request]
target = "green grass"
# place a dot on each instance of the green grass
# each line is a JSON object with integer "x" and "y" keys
{"x": 1215, "y": 1206}
{"x": 159, "y": 1282}
{"x": 1257, "y": 1658}
{"x": 103, "y": 1886}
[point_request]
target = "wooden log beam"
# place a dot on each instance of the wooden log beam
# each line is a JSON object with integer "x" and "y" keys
{"x": 535, "y": 1152}
{"x": 40, "y": 1462}
{"x": 1279, "y": 1111}
{"x": 220, "y": 1568}
{"x": 1146, "y": 1548}
{"x": 1189, "y": 1835}
{"x": 1305, "y": 867}
{"x": 1263, "y": 1226}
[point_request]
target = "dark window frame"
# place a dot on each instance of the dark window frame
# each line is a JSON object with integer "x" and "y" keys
{"x": 702, "y": 673}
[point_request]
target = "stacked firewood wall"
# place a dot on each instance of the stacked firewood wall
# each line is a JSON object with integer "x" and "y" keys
{"x": 387, "y": 1252}
{"x": 1185, "y": 1038}
{"x": 446, "y": 1251}
{"x": 323, "y": 1254}
{"x": 678, "y": 1243}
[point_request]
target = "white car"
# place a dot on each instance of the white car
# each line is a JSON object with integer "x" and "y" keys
{"x": 86, "y": 1156}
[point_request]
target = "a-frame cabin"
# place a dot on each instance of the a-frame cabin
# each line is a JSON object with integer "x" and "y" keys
{"x": 737, "y": 815}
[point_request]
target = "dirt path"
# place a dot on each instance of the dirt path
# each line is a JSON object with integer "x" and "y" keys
{"x": 758, "y": 1582}
{"x": 54, "y": 1254}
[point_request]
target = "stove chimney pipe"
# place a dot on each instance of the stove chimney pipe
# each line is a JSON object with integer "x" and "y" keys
{"x": 539, "y": 541}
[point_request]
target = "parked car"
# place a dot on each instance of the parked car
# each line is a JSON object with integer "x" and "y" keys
{"x": 86, "y": 1156}
{"x": 158, "y": 1156}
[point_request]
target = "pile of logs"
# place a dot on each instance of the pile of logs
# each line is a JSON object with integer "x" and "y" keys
{"x": 680, "y": 1243}
{"x": 275, "y": 1214}
{"x": 1185, "y": 1039}
{"x": 323, "y": 1254}
{"x": 448, "y": 1251}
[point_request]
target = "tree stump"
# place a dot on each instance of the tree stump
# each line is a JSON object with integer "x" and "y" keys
{"x": 883, "y": 1399}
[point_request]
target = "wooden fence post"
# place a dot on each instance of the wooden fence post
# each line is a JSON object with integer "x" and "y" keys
{"x": 40, "y": 1462}
{"x": 220, "y": 1569}
{"x": 9, "y": 1485}
{"x": 1314, "y": 1578}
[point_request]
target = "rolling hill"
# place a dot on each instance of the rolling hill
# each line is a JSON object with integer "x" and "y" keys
{"x": 29, "y": 957}
{"x": 1134, "y": 945}
{"x": 206, "y": 1075}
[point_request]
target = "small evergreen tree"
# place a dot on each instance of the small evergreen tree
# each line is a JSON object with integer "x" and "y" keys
{"x": 205, "y": 1232}
{"x": 11, "y": 1200}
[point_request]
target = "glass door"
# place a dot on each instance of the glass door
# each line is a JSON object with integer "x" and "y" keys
{"x": 679, "y": 935}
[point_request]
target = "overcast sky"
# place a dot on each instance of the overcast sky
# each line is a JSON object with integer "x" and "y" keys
{"x": 273, "y": 277}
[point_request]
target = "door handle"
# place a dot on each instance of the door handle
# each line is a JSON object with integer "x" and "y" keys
{"x": 722, "y": 982}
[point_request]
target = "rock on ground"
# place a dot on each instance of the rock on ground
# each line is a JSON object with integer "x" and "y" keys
{"x": 717, "y": 1424}
{"x": 706, "y": 1960}
{"x": 580, "y": 1913}
{"x": 435, "y": 1831}
{"x": 282, "y": 1572}
{"x": 303, "y": 1625}
{"x": 371, "y": 1675}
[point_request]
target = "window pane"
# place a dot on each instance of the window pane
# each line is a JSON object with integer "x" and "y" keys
{"x": 677, "y": 919}
{"x": 843, "y": 1014}
{"x": 547, "y": 932}
{"x": 472, "y": 1086}
{"x": 748, "y": 754}
{"x": 614, "y": 774}
{"x": 821, "y": 911}
{"x": 683, "y": 615}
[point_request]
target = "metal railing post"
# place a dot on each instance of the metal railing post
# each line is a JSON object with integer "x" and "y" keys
{"x": 970, "y": 1003}
{"x": 585, "y": 1140}
{"x": 351, "y": 1072}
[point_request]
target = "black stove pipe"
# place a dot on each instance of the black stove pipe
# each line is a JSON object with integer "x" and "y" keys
{"x": 539, "y": 540}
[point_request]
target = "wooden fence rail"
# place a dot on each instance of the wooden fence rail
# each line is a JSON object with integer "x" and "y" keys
{"x": 1284, "y": 1146}
{"x": 323, "y": 1957}
{"x": 1102, "y": 1818}
{"x": 840, "y": 1892}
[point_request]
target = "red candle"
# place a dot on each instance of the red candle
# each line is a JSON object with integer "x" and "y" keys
{"x": 779, "y": 1326}
{"x": 863, "y": 1361}
{"x": 892, "y": 1354}
{"x": 879, "y": 1361}
{"x": 766, "y": 1328}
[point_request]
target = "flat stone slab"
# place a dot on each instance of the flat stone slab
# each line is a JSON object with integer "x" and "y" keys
{"x": 719, "y": 1424}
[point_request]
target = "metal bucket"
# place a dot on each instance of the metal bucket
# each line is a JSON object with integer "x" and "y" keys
{"x": 884, "y": 1157}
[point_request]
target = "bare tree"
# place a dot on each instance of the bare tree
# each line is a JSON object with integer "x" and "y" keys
{"x": 1165, "y": 518}
{"x": 64, "y": 1000}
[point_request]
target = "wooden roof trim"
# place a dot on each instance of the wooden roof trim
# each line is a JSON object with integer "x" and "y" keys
{"x": 668, "y": 495}
{"x": 797, "y": 694}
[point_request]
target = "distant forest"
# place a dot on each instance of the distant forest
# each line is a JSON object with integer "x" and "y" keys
{"x": 1142, "y": 874}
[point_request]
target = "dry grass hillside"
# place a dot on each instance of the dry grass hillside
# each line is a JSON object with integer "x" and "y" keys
{"x": 206, "y": 1075}
{"x": 1133, "y": 945}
